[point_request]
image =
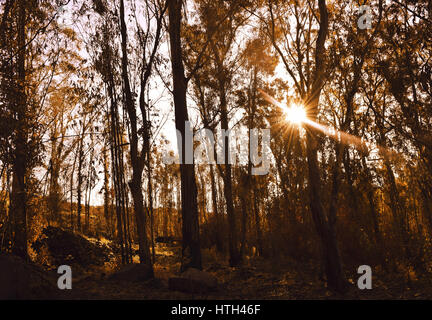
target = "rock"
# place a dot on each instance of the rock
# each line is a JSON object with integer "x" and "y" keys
{"x": 193, "y": 281}
{"x": 22, "y": 280}
{"x": 133, "y": 273}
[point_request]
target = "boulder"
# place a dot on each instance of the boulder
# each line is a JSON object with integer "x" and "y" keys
{"x": 193, "y": 281}
{"x": 133, "y": 273}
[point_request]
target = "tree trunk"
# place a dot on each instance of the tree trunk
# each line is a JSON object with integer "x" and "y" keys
{"x": 324, "y": 225}
{"x": 257, "y": 222}
{"x": 218, "y": 218}
{"x": 234, "y": 252}
{"x": 80, "y": 178}
{"x": 137, "y": 159}
{"x": 252, "y": 180}
{"x": 243, "y": 201}
{"x": 107, "y": 198}
{"x": 191, "y": 253}
{"x": 71, "y": 194}
{"x": 150, "y": 200}
{"x": 18, "y": 197}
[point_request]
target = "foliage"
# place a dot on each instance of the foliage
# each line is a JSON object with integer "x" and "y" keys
{"x": 65, "y": 247}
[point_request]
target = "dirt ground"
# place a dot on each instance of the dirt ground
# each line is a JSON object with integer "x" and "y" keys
{"x": 257, "y": 279}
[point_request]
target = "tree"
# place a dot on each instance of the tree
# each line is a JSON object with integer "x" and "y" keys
{"x": 309, "y": 85}
{"x": 22, "y": 98}
{"x": 191, "y": 253}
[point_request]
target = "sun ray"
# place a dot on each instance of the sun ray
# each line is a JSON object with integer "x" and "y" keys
{"x": 296, "y": 114}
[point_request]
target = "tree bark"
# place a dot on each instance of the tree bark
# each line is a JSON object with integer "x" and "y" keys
{"x": 234, "y": 253}
{"x": 191, "y": 253}
{"x": 218, "y": 218}
{"x": 324, "y": 225}
{"x": 19, "y": 190}
{"x": 137, "y": 159}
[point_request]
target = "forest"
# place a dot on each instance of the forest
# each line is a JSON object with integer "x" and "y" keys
{"x": 216, "y": 149}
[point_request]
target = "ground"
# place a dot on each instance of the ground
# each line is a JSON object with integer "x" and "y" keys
{"x": 257, "y": 279}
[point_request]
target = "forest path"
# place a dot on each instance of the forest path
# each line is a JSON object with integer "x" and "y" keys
{"x": 257, "y": 279}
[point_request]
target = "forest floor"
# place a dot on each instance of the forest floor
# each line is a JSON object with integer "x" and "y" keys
{"x": 256, "y": 279}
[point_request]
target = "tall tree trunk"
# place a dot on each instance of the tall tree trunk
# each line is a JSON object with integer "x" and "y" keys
{"x": 19, "y": 190}
{"x": 235, "y": 257}
{"x": 191, "y": 253}
{"x": 257, "y": 222}
{"x": 150, "y": 200}
{"x": 374, "y": 212}
{"x": 398, "y": 212}
{"x": 54, "y": 196}
{"x": 107, "y": 197}
{"x": 115, "y": 159}
{"x": 324, "y": 225}
{"x": 80, "y": 178}
{"x": 243, "y": 201}
{"x": 88, "y": 193}
{"x": 202, "y": 192}
{"x": 137, "y": 158}
{"x": 252, "y": 180}
{"x": 218, "y": 218}
{"x": 119, "y": 183}
{"x": 71, "y": 194}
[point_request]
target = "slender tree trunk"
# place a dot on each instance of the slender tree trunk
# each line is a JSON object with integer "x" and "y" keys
{"x": 218, "y": 218}
{"x": 243, "y": 202}
{"x": 116, "y": 181}
{"x": 398, "y": 212}
{"x": 191, "y": 253}
{"x": 80, "y": 178}
{"x": 235, "y": 258}
{"x": 88, "y": 194}
{"x": 202, "y": 192}
{"x": 374, "y": 213}
{"x": 137, "y": 158}
{"x": 150, "y": 199}
{"x": 117, "y": 177}
{"x": 324, "y": 225}
{"x": 19, "y": 168}
{"x": 71, "y": 194}
{"x": 257, "y": 222}
{"x": 252, "y": 180}
{"x": 107, "y": 200}
{"x": 54, "y": 186}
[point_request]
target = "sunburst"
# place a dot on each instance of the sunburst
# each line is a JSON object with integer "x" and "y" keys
{"x": 295, "y": 113}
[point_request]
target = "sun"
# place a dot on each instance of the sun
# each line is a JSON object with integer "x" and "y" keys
{"x": 295, "y": 114}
